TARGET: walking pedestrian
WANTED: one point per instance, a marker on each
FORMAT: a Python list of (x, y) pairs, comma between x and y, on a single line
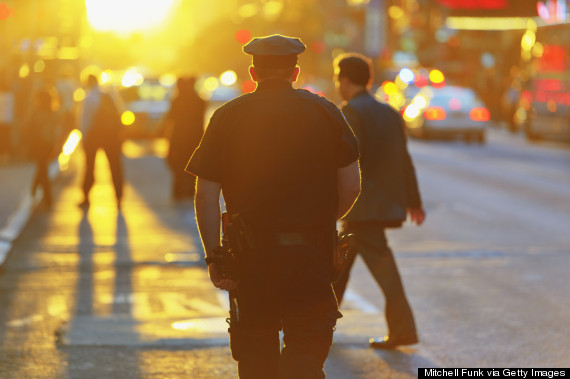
[(286, 161), (187, 117), (100, 126), (43, 136), (389, 192)]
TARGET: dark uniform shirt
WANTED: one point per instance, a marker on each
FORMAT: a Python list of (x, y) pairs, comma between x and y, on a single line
[(275, 153)]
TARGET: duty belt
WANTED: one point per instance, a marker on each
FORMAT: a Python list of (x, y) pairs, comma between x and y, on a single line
[(294, 238)]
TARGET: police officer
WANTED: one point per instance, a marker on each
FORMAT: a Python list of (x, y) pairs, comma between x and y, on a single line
[(287, 164)]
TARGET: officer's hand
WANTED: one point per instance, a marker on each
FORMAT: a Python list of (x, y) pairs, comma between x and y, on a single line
[(417, 215), (218, 280)]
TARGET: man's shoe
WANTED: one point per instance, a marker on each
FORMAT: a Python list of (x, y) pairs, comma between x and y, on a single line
[(392, 342)]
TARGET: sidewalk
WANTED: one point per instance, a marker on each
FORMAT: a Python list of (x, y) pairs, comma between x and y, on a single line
[(16, 204)]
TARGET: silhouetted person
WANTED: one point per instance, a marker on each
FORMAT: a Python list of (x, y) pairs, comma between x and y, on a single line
[(286, 161), (389, 192), (101, 126), (43, 138), (187, 117), (66, 86)]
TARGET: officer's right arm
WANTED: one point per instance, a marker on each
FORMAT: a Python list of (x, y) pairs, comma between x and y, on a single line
[(207, 204), (348, 184)]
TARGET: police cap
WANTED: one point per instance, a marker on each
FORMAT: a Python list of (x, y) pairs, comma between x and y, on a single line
[(275, 44)]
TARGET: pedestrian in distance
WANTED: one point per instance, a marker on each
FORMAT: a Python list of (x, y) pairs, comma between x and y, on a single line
[(389, 193), (287, 164), (43, 143), (186, 116), (101, 129)]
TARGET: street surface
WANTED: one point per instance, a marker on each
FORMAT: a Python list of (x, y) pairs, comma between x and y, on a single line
[(108, 294)]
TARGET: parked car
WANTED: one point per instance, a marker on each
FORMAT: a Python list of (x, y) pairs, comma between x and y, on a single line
[(448, 111), (543, 111)]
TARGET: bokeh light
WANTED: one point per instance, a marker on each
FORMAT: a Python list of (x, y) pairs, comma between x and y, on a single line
[(228, 78), (436, 76), (24, 71), (211, 83), (411, 112), (248, 86), (132, 77), (538, 50), (167, 79), (39, 66), (407, 75), (4, 11), (68, 148), (318, 47), (389, 88), (127, 118), (248, 10), (272, 9), (79, 95), (105, 77), (395, 12), (243, 36), (528, 40)]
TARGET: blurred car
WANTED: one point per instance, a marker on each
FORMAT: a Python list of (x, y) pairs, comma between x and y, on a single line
[(544, 119), (448, 111), (145, 107), (543, 110)]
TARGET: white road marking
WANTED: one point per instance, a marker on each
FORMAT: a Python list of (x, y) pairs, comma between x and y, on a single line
[(17, 220), (206, 307), (359, 302), (180, 304), (5, 247), (25, 321), (223, 299)]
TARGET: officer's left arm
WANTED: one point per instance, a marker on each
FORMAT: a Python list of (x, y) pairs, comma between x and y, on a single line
[(348, 184), (207, 204), (353, 120)]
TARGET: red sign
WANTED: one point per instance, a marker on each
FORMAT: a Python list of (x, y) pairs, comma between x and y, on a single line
[(474, 4), (489, 8)]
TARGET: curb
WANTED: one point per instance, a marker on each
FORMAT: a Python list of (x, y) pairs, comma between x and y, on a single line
[(18, 220)]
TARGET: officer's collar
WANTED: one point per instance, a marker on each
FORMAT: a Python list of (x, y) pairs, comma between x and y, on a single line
[(273, 83)]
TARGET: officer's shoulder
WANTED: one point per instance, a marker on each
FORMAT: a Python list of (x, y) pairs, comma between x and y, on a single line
[(316, 99), (234, 104)]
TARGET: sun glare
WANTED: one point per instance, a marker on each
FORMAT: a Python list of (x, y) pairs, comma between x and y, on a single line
[(125, 16)]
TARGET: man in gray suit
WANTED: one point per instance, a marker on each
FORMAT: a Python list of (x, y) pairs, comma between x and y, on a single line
[(389, 192)]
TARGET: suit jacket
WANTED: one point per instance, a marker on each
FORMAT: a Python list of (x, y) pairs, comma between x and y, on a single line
[(388, 178)]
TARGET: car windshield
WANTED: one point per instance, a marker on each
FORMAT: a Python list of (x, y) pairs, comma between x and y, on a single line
[(445, 97)]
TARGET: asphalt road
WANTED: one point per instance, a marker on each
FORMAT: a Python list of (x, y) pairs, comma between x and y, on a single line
[(487, 272), (102, 293)]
